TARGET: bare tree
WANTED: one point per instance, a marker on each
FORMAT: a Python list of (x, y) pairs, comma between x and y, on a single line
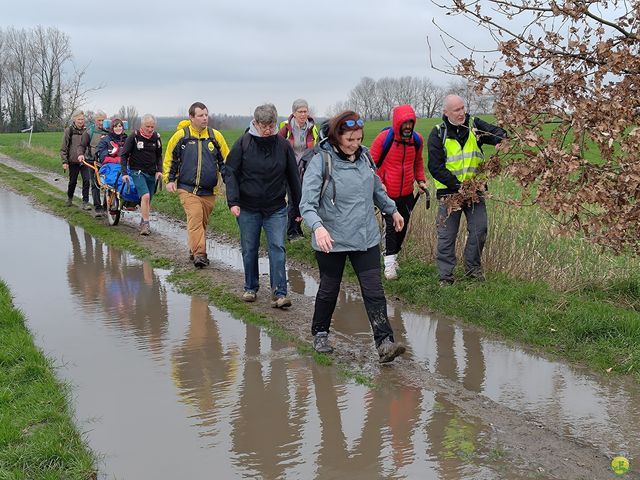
[(130, 114), (566, 83)]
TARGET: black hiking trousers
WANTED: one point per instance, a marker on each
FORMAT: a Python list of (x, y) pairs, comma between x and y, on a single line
[(367, 267), (85, 172)]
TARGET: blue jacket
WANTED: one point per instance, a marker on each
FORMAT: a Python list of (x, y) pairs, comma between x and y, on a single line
[(351, 221)]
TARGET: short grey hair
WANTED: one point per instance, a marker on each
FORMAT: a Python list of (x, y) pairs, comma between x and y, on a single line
[(299, 103), (76, 113), (445, 102), (146, 117), (266, 114), (100, 114)]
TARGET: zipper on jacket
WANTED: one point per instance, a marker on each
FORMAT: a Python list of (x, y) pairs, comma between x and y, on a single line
[(198, 170), (404, 155)]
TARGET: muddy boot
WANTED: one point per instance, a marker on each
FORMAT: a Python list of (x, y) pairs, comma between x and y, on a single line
[(144, 228), (69, 202), (86, 206), (390, 267), (321, 343), (389, 350)]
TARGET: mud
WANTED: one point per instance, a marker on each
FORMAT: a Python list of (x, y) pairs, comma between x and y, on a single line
[(534, 439)]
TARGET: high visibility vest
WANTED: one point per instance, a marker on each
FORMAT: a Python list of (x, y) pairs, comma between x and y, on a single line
[(463, 162)]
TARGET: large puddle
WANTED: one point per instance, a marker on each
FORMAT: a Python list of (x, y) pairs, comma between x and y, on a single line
[(166, 386)]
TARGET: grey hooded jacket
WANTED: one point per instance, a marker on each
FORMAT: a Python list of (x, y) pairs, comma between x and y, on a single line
[(351, 221)]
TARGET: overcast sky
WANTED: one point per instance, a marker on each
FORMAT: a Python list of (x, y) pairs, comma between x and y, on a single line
[(233, 55)]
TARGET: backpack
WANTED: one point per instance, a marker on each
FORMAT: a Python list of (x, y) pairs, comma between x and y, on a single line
[(327, 167), (388, 141)]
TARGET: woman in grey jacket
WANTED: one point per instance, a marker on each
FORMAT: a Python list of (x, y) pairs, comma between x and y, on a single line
[(339, 193)]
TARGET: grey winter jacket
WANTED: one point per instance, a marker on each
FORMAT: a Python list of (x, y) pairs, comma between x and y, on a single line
[(351, 221), (70, 148)]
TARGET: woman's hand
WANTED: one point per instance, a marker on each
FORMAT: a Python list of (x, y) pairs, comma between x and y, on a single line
[(398, 221), (171, 187), (323, 239)]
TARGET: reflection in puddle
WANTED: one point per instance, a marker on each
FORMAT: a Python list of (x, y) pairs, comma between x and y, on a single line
[(175, 388)]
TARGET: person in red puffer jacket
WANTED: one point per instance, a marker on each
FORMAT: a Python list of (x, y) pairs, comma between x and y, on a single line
[(400, 168)]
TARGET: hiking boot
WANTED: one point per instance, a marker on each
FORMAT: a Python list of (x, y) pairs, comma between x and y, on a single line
[(476, 276), (249, 296), (200, 261), (280, 302), (390, 267), (390, 272), (99, 212), (86, 206), (295, 237), (69, 202), (321, 343), (389, 350), (445, 283), (144, 229)]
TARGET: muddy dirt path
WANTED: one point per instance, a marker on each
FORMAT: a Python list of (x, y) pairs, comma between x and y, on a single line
[(535, 445)]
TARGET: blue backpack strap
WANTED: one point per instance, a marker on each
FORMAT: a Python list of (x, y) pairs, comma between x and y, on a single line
[(386, 145)]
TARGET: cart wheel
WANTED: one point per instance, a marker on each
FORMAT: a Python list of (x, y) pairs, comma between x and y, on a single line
[(112, 207)]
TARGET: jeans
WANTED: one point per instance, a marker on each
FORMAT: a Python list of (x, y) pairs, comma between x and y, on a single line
[(447, 227), (251, 223)]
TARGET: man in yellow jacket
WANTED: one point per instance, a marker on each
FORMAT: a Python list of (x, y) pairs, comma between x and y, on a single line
[(193, 160)]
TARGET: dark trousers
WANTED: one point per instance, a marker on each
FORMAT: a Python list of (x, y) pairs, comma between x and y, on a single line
[(74, 170), (367, 267), (95, 190), (393, 240), (447, 227), (294, 228)]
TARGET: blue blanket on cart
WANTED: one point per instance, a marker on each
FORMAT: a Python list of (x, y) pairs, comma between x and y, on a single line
[(110, 175)]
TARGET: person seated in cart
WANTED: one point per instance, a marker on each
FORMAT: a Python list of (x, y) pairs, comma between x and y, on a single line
[(110, 146)]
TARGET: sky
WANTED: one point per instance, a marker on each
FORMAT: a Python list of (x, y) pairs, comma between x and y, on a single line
[(161, 56)]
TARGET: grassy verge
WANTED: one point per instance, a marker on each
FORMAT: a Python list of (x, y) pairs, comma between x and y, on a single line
[(597, 323), (38, 438)]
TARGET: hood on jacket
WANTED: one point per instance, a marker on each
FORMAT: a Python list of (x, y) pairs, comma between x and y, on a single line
[(401, 114), (182, 124)]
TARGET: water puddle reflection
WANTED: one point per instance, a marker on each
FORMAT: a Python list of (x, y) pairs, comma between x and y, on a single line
[(169, 387)]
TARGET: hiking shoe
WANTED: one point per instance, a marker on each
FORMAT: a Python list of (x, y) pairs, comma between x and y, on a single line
[(69, 202), (200, 261), (280, 302), (99, 212), (86, 206), (445, 283), (144, 229), (477, 276), (249, 296), (321, 343), (296, 237), (389, 350), (390, 272)]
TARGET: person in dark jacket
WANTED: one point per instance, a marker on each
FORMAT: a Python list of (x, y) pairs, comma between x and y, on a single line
[(302, 133), (400, 168), (340, 210), (455, 153), (142, 155), (69, 153), (88, 150), (260, 167), (195, 155), (110, 146)]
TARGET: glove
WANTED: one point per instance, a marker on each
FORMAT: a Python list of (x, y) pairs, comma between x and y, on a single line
[(113, 149)]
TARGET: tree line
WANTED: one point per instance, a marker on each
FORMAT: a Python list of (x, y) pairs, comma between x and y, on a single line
[(39, 83), (375, 99)]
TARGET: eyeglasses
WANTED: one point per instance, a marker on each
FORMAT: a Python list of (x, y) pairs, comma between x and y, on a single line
[(267, 127), (353, 123)]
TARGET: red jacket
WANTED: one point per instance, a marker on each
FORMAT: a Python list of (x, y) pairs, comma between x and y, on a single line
[(400, 168)]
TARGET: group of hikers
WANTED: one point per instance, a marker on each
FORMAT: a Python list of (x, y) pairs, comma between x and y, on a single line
[(277, 175)]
